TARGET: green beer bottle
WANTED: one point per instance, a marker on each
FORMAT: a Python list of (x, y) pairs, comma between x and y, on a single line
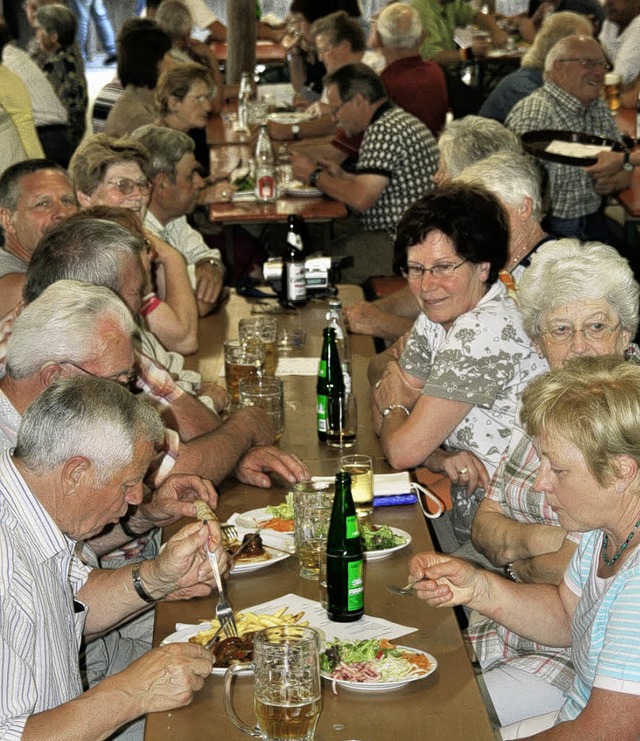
[(345, 578), (330, 386)]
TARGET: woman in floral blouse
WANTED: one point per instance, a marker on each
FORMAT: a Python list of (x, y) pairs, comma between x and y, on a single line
[(450, 400)]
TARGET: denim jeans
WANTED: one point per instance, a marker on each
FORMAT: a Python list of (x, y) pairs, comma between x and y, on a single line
[(83, 9)]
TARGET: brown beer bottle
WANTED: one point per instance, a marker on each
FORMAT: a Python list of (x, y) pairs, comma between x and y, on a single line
[(345, 577)]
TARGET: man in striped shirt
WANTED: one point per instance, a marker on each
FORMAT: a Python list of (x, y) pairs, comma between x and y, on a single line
[(83, 448)]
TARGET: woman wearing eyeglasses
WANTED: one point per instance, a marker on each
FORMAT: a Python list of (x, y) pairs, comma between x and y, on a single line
[(115, 173), (450, 401), (576, 300)]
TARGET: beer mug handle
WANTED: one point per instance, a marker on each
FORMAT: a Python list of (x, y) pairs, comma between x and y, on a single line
[(432, 497), (228, 705)]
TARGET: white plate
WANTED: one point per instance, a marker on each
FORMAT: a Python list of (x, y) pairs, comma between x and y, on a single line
[(288, 117), (242, 567), (386, 686), (254, 518), (376, 555), (182, 636), (297, 189)]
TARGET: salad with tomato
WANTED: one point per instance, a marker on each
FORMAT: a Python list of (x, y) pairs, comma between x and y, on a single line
[(372, 660)]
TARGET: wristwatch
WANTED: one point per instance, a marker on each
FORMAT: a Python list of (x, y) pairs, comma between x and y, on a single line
[(313, 178), (627, 165), (212, 261)]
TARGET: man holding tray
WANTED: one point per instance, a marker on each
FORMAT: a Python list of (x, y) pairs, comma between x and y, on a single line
[(570, 100)]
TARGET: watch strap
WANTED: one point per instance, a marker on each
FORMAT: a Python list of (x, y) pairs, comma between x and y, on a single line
[(313, 178)]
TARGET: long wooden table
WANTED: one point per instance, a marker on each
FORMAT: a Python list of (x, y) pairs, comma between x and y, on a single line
[(447, 705)]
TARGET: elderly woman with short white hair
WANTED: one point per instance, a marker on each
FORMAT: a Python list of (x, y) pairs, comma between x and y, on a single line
[(576, 300)]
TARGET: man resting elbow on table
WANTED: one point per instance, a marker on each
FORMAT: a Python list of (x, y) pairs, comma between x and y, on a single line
[(83, 449), (450, 400), (207, 446), (397, 158)]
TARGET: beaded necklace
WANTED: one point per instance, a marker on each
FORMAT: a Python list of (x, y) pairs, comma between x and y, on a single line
[(620, 551)]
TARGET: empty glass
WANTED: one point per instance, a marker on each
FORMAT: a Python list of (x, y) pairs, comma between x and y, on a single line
[(267, 393), (263, 329), (312, 503)]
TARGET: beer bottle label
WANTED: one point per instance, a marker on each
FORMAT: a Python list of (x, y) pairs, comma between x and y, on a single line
[(321, 411), (351, 527), (355, 586)]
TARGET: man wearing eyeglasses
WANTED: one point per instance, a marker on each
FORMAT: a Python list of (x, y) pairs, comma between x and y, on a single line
[(570, 100), (398, 158)]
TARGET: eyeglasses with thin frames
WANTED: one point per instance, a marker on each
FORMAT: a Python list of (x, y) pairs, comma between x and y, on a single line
[(593, 332), (202, 99), (334, 111), (442, 270), (126, 186), (589, 63), (127, 379)]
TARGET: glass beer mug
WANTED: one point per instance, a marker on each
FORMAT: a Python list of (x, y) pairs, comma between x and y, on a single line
[(287, 696)]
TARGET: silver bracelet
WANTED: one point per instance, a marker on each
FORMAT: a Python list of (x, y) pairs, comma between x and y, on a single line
[(139, 586), (510, 573), (391, 407)]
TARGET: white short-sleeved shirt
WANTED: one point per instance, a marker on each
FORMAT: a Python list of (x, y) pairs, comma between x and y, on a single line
[(623, 48), (606, 626), (484, 359)]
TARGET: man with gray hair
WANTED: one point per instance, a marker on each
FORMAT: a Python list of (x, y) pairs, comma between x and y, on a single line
[(414, 84), (570, 100), (62, 333), (471, 139), (201, 443), (77, 328), (176, 180), (83, 448)]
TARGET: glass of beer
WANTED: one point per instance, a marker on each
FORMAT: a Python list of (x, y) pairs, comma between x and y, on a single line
[(267, 393), (312, 503), (263, 329), (342, 422), (361, 469), (241, 360), (287, 696), (612, 91)]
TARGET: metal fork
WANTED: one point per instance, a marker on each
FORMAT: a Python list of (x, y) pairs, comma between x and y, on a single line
[(224, 611), (403, 591), (229, 531)]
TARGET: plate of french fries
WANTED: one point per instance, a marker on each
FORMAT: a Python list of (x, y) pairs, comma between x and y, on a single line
[(246, 622)]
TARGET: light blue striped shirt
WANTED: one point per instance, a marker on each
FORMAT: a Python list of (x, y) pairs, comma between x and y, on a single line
[(606, 626), (40, 622)]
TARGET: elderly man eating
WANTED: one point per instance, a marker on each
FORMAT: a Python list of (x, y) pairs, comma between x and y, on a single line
[(83, 449)]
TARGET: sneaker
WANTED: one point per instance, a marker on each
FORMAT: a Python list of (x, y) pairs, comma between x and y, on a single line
[(110, 59)]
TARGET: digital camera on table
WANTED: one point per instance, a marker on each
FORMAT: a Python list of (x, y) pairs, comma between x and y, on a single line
[(321, 274)]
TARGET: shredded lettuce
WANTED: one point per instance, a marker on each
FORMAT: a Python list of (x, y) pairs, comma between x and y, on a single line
[(285, 510), (351, 652), (379, 537)]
